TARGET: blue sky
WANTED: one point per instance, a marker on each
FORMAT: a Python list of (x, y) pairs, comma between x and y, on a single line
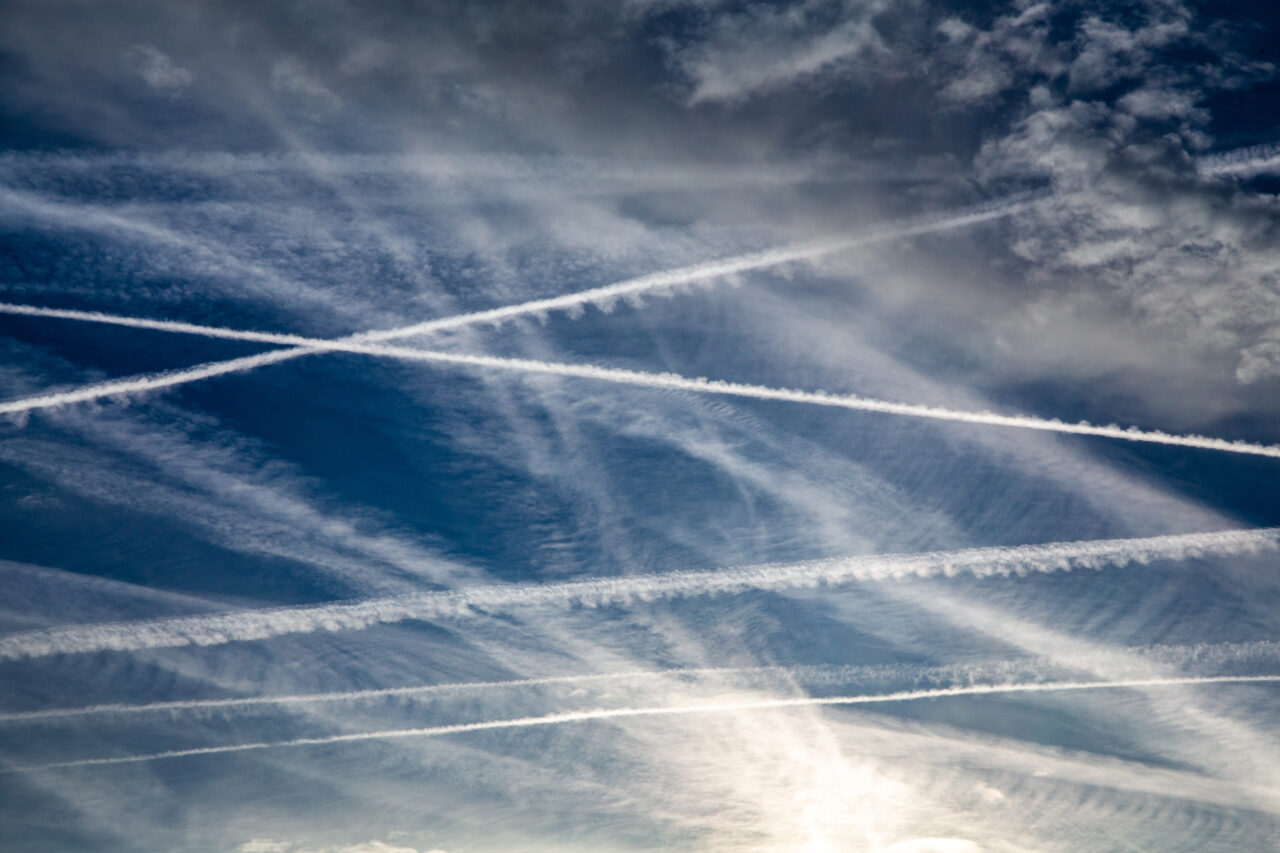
[(529, 578)]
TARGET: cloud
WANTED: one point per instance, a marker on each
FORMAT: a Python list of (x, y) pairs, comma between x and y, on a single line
[(762, 49), (267, 845), (159, 71), (291, 77), (934, 845)]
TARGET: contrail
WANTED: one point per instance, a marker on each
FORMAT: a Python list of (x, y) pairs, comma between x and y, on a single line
[(303, 346), (1242, 161), (709, 708), (676, 382), (138, 384), (246, 625), (668, 381), (376, 693), (581, 175), (1007, 670)]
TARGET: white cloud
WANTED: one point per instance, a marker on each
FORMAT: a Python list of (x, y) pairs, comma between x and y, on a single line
[(263, 845), (934, 845)]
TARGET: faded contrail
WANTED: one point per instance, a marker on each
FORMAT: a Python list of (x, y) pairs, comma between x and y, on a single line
[(245, 625), (303, 346), (669, 381), (1242, 161), (585, 173), (376, 693), (1006, 670), (710, 708)]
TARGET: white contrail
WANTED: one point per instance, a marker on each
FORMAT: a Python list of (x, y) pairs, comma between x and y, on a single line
[(668, 381), (630, 288), (245, 625), (668, 710), (138, 384), (675, 382), (375, 693), (1005, 670), (1242, 161)]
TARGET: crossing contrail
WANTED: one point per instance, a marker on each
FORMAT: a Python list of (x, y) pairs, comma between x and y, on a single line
[(668, 381), (246, 625), (670, 710), (630, 288)]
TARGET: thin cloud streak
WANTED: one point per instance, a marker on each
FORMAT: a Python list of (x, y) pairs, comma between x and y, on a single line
[(667, 381), (240, 626), (710, 708)]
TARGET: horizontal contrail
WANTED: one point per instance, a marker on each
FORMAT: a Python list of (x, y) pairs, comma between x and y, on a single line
[(245, 625), (583, 175), (1242, 161), (630, 288), (375, 693), (1007, 670), (667, 381), (666, 710)]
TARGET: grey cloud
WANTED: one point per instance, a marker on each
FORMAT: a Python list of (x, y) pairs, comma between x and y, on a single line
[(158, 70), (761, 49)]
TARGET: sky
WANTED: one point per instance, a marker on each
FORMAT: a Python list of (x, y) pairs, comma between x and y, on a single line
[(651, 425)]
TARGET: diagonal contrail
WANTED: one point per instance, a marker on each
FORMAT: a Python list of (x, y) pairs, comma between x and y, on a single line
[(668, 381), (149, 382), (246, 625), (630, 288), (676, 710)]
